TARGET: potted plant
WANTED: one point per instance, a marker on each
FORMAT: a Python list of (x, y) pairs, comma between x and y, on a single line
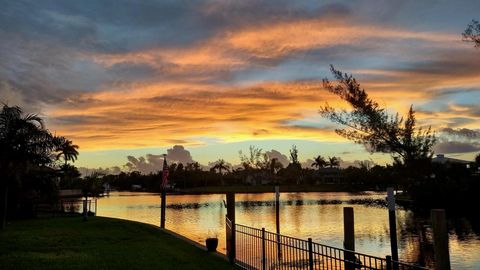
[(211, 242)]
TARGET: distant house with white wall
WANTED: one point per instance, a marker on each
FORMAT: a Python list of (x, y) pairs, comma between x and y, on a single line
[(441, 158)]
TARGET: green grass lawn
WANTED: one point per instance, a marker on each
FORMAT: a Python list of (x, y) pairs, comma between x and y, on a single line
[(99, 243)]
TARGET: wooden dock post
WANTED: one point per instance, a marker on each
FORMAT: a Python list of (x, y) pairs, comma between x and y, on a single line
[(163, 199), (392, 220), (231, 240), (349, 237), (85, 211), (440, 237)]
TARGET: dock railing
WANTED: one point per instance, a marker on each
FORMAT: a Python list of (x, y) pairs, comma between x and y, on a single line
[(260, 249)]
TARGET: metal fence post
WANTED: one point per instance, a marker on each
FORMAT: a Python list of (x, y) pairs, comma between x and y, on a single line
[(264, 259), (277, 220), (389, 262), (310, 253)]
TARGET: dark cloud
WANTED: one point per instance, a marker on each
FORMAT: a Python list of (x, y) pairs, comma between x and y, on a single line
[(179, 154), (449, 147), (148, 164), (283, 159), (107, 26), (118, 26), (259, 132), (462, 133), (461, 140), (76, 119), (153, 163), (132, 71)]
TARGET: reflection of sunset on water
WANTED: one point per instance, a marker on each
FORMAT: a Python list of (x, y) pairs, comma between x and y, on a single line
[(302, 215)]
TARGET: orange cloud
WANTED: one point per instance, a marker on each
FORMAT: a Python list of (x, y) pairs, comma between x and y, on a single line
[(187, 102)]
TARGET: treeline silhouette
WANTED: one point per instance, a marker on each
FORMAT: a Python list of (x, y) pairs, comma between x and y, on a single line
[(447, 185)]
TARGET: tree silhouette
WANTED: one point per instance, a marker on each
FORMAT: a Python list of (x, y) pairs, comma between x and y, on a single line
[(68, 150), (25, 143), (319, 162), (193, 166), (333, 162), (221, 165), (252, 160), (472, 33), (274, 166), (369, 124), (294, 155)]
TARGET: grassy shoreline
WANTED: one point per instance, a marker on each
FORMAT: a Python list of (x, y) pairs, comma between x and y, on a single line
[(99, 243)]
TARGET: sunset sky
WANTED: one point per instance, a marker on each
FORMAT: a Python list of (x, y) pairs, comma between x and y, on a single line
[(135, 78)]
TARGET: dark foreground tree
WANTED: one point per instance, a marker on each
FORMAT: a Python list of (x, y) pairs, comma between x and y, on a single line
[(369, 124), (472, 33), (26, 146)]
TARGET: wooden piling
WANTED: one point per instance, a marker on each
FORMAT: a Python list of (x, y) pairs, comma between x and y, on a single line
[(231, 239), (163, 202), (85, 212), (393, 226), (440, 237), (231, 206), (349, 237)]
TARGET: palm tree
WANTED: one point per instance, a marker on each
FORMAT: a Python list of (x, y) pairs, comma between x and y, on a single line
[(68, 150), (319, 162), (193, 166), (221, 165), (333, 162), (24, 143)]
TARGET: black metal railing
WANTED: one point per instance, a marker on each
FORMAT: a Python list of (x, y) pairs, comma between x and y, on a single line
[(261, 249)]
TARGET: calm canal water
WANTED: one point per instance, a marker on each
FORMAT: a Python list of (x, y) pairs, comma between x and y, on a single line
[(317, 215)]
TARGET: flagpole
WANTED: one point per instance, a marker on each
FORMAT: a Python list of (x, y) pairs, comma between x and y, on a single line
[(163, 196)]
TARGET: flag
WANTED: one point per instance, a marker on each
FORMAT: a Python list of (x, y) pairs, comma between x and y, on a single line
[(164, 173)]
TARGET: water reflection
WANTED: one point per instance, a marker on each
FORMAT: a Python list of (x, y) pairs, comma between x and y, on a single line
[(302, 215)]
